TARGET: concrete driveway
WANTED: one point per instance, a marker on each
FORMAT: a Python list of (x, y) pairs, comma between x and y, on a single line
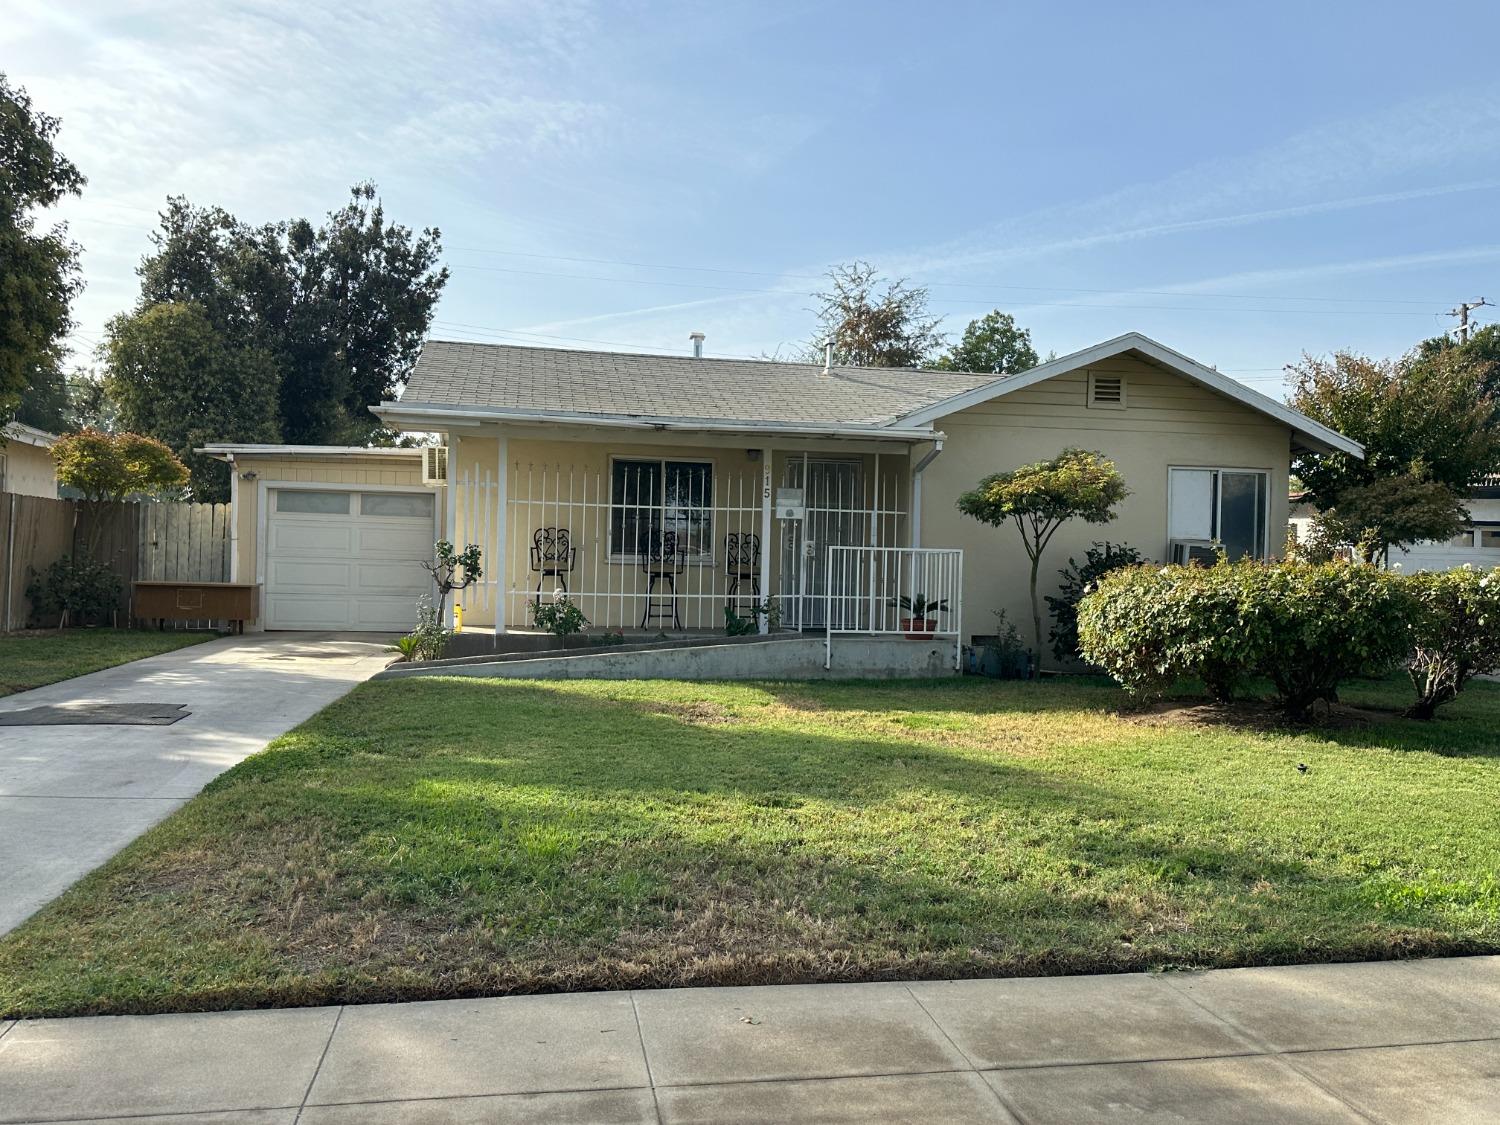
[(72, 796)]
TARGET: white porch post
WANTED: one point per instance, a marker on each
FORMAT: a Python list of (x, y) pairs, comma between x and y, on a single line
[(767, 487), (916, 508), (450, 505), (501, 561)]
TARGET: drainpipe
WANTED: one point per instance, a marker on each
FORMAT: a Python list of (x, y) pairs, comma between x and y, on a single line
[(916, 490)]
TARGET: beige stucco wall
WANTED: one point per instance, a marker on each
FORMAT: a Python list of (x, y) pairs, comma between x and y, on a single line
[(344, 469), (1168, 422), (29, 470)]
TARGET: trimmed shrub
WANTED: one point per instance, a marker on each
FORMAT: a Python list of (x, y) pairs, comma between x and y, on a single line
[(1304, 627), (1455, 633), (1325, 624), (1077, 580), (1149, 627)]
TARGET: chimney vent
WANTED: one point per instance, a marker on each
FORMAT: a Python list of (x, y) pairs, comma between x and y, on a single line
[(828, 355), (697, 339)]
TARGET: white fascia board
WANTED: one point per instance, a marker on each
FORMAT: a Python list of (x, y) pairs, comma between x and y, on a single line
[(226, 450), (427, 416), (1315, 433), (29, 435)]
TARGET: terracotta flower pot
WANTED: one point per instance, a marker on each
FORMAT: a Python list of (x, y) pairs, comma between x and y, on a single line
[(919, 628)]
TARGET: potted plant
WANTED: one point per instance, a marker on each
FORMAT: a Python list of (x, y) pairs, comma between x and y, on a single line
[(919, 620)]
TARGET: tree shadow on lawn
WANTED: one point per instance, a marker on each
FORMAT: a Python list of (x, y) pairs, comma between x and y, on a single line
[(537, 839), (493, 895)]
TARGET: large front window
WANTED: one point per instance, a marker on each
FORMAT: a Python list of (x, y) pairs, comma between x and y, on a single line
[(651, 499), (1227, 507)]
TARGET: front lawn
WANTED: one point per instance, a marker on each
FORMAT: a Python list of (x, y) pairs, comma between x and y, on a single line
[(29, 660), (428, 838)]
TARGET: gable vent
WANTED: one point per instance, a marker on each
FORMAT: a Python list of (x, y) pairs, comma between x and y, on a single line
[(1107, 391)]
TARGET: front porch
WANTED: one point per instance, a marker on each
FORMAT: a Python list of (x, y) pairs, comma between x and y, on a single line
[(655, 535)]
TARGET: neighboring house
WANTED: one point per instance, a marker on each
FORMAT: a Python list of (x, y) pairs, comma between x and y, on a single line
[(659, 489), (26, 467), (1477, 544)]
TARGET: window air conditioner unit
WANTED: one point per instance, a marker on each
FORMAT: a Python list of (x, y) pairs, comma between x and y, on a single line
[(1184, 552), (435, 464)]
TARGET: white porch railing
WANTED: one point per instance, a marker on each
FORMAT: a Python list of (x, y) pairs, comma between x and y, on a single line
[(668, 544), (867, 586)]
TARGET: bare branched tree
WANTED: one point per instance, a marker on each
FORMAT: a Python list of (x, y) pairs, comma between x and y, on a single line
[(873, 322)]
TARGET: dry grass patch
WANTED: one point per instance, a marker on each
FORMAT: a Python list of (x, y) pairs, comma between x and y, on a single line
[(429, 838)]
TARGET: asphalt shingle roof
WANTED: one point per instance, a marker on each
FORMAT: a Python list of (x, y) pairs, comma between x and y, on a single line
[(559, 380)]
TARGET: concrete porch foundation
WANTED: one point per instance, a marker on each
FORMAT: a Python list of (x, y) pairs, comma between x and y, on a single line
[(769, 658)]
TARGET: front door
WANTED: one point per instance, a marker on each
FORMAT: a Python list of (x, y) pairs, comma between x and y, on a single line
[(835, 516)]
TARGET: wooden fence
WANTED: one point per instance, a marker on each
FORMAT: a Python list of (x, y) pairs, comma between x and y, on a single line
[(146, 541)]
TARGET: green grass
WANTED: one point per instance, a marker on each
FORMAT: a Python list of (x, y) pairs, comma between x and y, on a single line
[(29, 660), (430, 838)]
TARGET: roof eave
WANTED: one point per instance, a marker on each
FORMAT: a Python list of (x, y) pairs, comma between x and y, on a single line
[(227, 451), (431, 416)]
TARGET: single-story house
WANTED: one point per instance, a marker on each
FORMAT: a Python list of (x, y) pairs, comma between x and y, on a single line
[(26, 466), (658, 490)]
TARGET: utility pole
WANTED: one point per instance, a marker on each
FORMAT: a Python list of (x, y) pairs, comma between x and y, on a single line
[(1462, 312)]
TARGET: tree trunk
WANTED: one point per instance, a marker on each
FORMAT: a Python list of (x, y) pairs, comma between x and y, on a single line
[(1036, 608)]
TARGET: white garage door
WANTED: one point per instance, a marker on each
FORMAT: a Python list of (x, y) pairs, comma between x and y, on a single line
[(346, 560)]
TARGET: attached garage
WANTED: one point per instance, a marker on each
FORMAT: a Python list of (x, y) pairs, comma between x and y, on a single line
[(345, 558), (334, 536)]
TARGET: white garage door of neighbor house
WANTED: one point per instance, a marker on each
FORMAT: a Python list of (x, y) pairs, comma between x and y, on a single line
[(346, 560)]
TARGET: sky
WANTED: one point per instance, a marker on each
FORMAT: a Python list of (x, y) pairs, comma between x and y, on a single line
[(1244, 183)]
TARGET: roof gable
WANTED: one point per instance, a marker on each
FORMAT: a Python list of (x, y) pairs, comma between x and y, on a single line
[(1313, 434)]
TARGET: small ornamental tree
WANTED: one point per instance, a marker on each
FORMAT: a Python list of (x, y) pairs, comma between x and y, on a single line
[(107, 468), (1455, 633), (452, 570), (1038, 499)]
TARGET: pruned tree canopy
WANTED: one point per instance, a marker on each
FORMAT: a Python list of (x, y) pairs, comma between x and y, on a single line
[(1041, 497)]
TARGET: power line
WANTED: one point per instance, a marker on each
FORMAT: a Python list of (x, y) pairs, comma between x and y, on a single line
[(1462, 312), (524, 336), (940, 284), (747, 291)]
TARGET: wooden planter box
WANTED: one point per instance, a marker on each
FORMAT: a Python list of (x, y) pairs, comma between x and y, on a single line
[(235, 602)]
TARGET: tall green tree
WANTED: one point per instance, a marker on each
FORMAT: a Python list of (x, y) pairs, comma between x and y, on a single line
[(1427, 424), (341, 308), (1480, 353), (873, 322), (45, 403), (993, 345), (175, 376), (39, 274)]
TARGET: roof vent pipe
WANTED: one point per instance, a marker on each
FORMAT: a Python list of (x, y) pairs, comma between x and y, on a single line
[(697, 339), (828, 356)]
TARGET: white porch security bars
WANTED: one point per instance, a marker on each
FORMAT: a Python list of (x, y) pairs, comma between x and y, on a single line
[(915, 592), (668, 543)]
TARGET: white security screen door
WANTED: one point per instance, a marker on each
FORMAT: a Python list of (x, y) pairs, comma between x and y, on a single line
[(835, 517)]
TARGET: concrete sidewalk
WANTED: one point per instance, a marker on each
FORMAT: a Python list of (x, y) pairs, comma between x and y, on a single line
[(72, 796), (1390, 1042)]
